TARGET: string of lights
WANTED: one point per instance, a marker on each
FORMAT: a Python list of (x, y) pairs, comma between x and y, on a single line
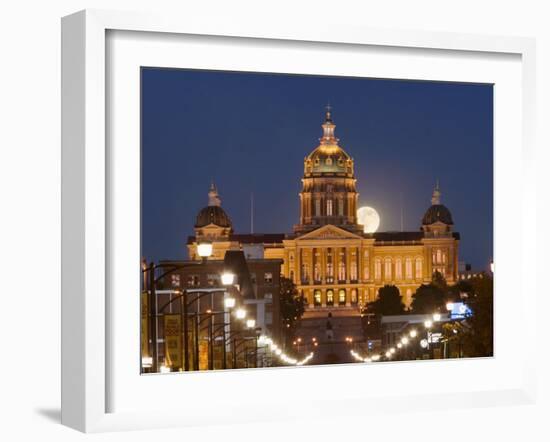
[(265, 340)]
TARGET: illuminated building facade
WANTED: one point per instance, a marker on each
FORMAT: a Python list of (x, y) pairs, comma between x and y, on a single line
[(328, 256)]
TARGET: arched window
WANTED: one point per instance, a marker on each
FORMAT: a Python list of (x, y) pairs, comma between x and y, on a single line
[(366, 265), (438, 255), (408, 268), (387, 269), (341, 297), (317, 297), (330, 297), (398, 269), (353, 296), (377, 268), (418, 268), (329, 207)]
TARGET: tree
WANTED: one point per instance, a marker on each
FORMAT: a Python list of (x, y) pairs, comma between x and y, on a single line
[(291, 307), (479, 340), (433, 297), (389, 302)]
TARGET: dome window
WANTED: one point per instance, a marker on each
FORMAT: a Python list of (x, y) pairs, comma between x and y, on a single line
[(328, 161)]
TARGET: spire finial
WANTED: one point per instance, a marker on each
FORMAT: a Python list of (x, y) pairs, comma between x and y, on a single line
[(213, 197), (436, 195), (328, 127), (328, 116)]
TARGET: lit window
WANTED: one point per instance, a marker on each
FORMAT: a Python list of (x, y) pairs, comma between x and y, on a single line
[(329, 207), (342, 297), (387, 269), (341, 269), (175, 280), (377, 269), (317, 297), (408, 268), (328, 161), (317, 271), (330, 270), (398, 269), (353, 296), (353, 270), (438, 255), (330, 297), (193, 280), (268, 278), (305, 273), (418, 265)]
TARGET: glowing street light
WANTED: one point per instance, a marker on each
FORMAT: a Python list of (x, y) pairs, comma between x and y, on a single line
[(399, 345), (228, 278), (413, 333), (204, 249), (404, 340), (424, 343), (428, 324), (240, 313), (436, 317), (229, 302), (251, 323)]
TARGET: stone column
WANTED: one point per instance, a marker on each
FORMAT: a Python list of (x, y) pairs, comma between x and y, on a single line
[(298, 266), (323, 252), (348, 261)]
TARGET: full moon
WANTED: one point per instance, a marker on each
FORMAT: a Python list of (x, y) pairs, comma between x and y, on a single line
[(369, 218)]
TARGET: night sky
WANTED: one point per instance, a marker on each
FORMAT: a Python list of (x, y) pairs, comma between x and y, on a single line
[(250, 132)]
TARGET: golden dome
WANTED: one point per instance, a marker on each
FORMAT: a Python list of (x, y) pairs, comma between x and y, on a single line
[(328, 157)]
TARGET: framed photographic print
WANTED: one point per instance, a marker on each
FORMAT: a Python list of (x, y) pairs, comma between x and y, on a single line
[(251, 212)]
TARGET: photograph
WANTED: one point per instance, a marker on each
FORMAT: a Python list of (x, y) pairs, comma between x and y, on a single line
[(300, 220)]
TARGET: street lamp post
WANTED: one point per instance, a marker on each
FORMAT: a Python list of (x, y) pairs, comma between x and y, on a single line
[(227, 279)]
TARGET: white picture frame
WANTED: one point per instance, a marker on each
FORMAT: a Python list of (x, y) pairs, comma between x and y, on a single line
[(86, 207)]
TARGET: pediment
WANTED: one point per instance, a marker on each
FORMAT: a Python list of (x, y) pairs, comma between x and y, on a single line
[(328, 232)]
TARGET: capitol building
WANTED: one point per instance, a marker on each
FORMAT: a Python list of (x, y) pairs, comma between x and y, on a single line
[(332, 261)]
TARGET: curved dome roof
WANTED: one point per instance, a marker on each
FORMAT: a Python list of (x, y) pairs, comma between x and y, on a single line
[(437, 213), (213, 215), (328, 157)]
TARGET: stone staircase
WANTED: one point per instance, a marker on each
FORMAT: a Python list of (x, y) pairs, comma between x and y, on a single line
[(327, 351)]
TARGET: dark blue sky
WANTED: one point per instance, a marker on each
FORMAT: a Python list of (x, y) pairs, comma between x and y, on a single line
[(250, 132)]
